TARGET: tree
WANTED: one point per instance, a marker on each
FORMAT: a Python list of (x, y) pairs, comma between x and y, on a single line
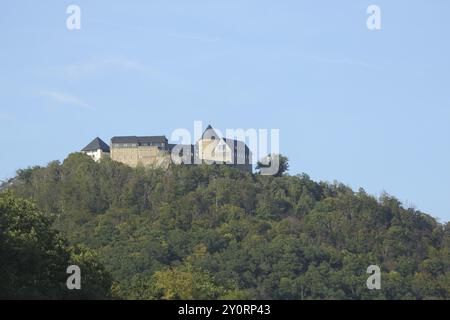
[(34, 257), (280, 162), (211, 232), (186, 283)]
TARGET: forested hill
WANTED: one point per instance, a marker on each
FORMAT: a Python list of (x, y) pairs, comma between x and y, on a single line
[(207, 232)]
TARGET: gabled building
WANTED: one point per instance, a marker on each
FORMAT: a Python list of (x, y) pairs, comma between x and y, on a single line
[(146, 151), (214, 149), (97, 149), (157, 152)]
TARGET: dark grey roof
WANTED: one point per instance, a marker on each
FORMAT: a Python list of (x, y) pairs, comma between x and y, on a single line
[(236, 143), (96, 144), (124, 139), (139, 140), (210, 133)]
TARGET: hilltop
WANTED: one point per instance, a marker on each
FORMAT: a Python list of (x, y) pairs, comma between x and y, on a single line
[(214, 232)]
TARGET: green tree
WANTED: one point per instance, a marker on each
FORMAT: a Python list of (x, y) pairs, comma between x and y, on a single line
[(211, 232), (186, 283), (34, 257), (274, 159)]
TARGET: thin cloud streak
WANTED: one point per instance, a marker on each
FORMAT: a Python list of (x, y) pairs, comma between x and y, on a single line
[(90, 67), (195, 37), (343, 61), (65, 98)]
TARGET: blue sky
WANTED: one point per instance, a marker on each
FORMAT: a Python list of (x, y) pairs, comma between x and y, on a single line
[(370, 109)]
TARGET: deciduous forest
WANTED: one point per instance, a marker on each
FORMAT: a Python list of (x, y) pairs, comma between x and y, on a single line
[(210, 232)]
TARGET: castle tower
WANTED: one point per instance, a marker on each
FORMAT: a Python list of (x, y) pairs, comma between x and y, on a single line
[(212, 148), (96, 149)]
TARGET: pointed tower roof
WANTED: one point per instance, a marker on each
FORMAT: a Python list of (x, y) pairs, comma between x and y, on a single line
[(96, 144), (210, 133)]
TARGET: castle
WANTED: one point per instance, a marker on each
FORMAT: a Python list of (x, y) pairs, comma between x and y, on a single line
[(155, 151)]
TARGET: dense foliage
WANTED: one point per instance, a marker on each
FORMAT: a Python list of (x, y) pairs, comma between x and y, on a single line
[(210, 232), (34, 258)]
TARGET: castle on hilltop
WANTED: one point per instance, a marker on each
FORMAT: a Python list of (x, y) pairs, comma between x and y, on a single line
[(155, 151)]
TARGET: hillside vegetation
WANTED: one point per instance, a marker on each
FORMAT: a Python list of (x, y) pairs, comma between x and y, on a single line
[(209, 232)]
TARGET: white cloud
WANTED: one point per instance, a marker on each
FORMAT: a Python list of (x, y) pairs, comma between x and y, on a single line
[(88, 67), (64, 98), (195, 37), (343, 61)]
